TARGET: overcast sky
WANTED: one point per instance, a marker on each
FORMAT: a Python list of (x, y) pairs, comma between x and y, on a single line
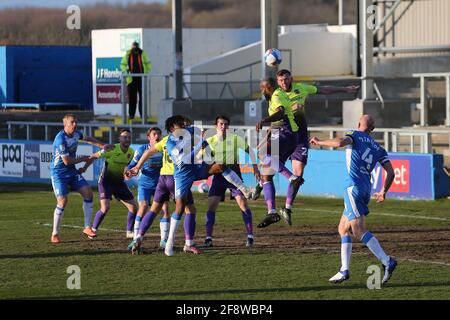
[(63, 3)]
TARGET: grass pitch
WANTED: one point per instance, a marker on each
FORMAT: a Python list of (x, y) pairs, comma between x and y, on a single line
[(287, 262)]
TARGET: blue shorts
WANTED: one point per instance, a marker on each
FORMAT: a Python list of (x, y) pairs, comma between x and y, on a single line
[(145, 194), (61, 185), (356, 203), (184, 183)]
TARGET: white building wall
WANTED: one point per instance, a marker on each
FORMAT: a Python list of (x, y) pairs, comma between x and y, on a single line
[(318, 52), (198, 45)]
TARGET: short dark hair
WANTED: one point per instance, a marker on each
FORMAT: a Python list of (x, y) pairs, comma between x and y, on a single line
[(187, 121), (175, 120), (222, 117), (153, 129), (124, 130), (271, 81), (283, 72)]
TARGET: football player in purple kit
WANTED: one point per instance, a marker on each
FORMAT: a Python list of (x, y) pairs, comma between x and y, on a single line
[(282, 133), (297, 93)]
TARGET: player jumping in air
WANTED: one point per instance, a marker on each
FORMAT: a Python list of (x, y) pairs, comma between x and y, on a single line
[(111, 181), (65, 175), (283, 131), (225, 148), (183, 144), (297, 93), (362, 154)]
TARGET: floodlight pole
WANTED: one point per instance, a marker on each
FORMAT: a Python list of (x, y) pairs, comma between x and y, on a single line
[(367, 26), (269, 33), (177, 31)]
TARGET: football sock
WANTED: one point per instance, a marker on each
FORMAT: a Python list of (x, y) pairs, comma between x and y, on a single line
[(130, 221), (174, 222), (233, 178), (137, 225), (372, 243), (87, 210), (146, 222), (346, 252), (210, 220), (57, 217), (290, 197), (99, 216), (189, 228), (164, 225), (269, 195), (247, 217)]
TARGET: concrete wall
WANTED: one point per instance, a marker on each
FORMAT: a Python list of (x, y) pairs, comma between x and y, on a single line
[(39, 74), (198, 45)]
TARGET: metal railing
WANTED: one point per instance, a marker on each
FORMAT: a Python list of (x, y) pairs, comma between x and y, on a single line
[(145, 92), (393, 139), (227, 84)]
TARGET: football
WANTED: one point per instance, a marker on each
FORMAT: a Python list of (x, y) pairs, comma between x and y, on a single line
[(272, 57), (203, 187)]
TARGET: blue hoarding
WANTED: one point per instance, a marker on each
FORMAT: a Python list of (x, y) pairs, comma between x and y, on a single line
[(417, 176)]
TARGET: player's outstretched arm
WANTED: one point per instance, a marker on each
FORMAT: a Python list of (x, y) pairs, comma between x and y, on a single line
[(90, 160), (84, 168), (145, 156), (97, 143), (274, 117), (333, 143), (69, 161), (380, 196)]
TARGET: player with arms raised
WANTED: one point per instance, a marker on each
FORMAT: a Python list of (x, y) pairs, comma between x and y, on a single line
[(362, 154), (297, 93)]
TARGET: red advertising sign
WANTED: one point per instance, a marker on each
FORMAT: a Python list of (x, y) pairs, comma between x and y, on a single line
[(108, 94), (401, 180)]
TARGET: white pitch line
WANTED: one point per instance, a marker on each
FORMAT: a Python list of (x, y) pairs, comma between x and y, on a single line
[(388, 215), (300, 208), (80, 227)]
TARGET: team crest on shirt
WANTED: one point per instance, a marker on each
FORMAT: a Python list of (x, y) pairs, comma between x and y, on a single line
[(297, 91), (129, 156)]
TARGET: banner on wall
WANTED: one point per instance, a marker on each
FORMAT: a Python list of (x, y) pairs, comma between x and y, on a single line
[(45, 159), (417, 176), (12, 160)]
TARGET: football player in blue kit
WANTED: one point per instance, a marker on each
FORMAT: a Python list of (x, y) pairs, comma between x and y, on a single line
[(362, 154)]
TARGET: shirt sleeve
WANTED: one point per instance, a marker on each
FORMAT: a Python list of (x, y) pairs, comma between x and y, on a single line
[(310, 89), (62, 147), (103, 154), (241, 144), (277, 102), (137, 155), (383, 156), (350, 134)]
